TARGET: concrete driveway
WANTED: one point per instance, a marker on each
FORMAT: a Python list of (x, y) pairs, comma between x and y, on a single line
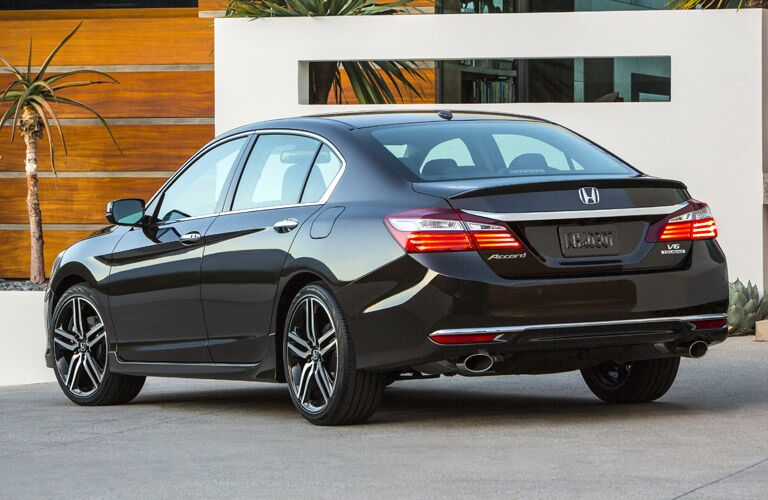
[(526, 437)]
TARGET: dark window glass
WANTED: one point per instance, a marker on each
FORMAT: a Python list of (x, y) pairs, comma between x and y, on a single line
[(275, 172), (491, 149), (496, 6), (324, 171), (198, 190), (591, 79)]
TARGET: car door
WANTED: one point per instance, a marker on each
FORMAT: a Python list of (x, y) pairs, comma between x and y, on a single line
[(155, 276), (283, 183)]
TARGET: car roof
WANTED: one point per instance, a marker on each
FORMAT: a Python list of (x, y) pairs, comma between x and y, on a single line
[(383, 118), (357, 120)]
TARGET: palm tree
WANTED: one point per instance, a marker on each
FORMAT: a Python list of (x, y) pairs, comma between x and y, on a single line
[(30, 111), (716, 4), (371, 81)]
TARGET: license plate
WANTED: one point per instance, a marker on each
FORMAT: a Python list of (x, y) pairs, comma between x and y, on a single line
[(588, 241)]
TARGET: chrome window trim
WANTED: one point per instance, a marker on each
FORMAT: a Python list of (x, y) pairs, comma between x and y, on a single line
[(323, 199), (554, 326), (275, 207), (578, 214)]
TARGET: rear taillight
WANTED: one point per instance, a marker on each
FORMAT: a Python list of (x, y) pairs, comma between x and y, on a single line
[(694, 222), (445, 230)]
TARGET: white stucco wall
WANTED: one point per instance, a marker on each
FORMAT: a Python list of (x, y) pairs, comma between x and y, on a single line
[(23, 339), (710, 135)]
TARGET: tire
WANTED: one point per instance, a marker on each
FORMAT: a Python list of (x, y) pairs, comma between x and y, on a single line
[(79, 344), (636, 382), (319, 362)]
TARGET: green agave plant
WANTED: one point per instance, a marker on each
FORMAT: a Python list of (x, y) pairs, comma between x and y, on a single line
[(746, 306), (29, 97), (372, 82)]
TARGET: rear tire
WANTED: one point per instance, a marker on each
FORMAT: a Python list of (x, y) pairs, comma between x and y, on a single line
[(636, 382), (319, 362), (79, 343)]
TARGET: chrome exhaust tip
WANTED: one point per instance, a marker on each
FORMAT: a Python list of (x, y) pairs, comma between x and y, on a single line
[(479, 362), (696, 349)]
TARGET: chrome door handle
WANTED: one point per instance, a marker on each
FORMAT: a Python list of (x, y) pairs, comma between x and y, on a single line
[(190, 238), (285, 225)]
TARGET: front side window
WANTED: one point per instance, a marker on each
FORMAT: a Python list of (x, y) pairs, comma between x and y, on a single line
[(494, 149), (276, 171), (199, 188)]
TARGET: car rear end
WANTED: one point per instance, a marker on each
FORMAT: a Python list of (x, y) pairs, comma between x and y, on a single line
[(530, 266)]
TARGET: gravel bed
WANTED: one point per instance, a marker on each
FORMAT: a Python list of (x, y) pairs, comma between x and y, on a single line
[(20, 286)]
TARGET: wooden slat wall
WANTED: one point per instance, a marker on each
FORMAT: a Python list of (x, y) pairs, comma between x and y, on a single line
[(171, 94), (145, 148), (79, 200), (183, 40), (15, 249), (161, 113)]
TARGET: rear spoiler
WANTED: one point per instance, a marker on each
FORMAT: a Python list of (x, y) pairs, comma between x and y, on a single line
[(482, 187)]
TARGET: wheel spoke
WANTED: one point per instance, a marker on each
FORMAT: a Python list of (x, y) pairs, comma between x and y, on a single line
[(66, 345), (66, 335), (306, 375), (323, 382), (310, 320), (324, 392), (77, 316), (75, 372), (302, 350), (94, 331), (96, 339), (327, 342), (88, 371), (97, 370)]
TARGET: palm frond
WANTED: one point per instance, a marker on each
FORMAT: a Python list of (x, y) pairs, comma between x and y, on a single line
[(55, 51), (703, 4), (33, 95), (372, 82)]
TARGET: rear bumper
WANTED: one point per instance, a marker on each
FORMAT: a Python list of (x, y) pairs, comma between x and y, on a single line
[(595, 333), (392, 312)]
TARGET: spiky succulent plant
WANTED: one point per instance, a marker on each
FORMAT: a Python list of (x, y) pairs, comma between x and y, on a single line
[(745, 307)]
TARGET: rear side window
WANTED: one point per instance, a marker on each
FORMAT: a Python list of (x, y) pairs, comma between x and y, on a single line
[(275, 172), (494, 149), (325, 169)]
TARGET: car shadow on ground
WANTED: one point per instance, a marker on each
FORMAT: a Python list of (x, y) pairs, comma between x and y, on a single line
[(407, 404)]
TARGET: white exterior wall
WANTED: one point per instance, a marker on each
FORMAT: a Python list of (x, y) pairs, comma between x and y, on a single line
[(22, 358), (710, 135)]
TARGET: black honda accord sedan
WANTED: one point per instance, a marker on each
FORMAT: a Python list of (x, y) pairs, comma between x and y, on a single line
[(341, 253)]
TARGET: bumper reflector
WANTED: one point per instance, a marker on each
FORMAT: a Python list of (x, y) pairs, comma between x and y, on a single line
[(464, 338), (710, 324)]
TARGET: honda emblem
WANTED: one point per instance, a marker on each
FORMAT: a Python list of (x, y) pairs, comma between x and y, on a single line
[(589, 195)]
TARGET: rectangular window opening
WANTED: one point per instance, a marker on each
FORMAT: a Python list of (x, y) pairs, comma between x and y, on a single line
[(491, 81)]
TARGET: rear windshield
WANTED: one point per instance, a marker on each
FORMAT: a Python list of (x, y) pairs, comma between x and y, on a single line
[(488, 149)]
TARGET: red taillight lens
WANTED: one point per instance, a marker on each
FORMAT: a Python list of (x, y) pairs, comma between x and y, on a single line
[(695, 222), (444, 230), (464, 338)]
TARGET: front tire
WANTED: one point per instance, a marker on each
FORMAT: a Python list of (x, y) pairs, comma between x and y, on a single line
[(79, 343), (319, 361), (635, 382)]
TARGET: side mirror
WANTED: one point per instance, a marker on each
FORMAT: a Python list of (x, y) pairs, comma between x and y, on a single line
[(127, 212)]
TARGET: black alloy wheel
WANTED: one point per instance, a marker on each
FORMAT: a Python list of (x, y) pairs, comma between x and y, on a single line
[(80, 349), (319, 363)]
